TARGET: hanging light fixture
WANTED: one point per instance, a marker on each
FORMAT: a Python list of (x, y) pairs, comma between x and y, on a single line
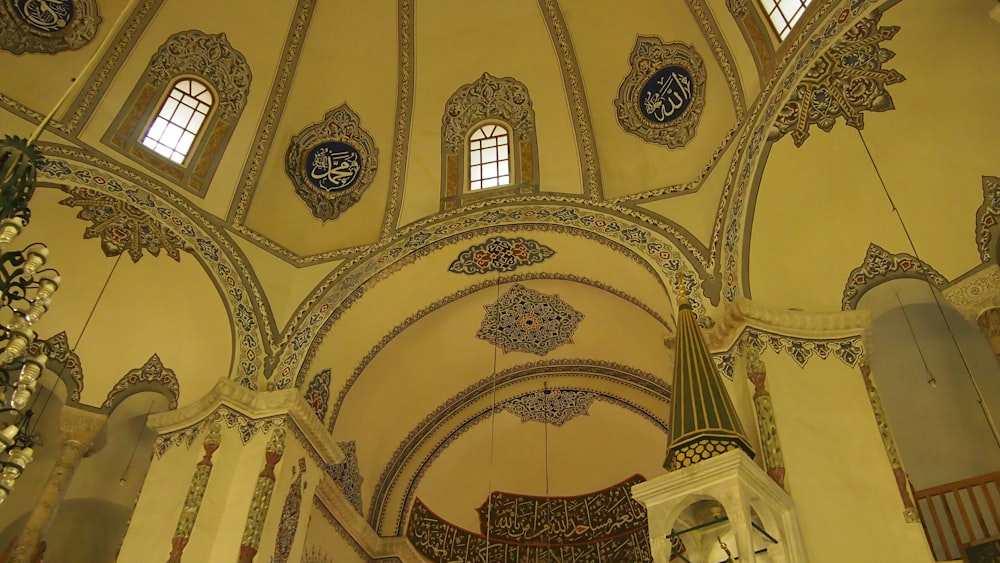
[(25, 294)]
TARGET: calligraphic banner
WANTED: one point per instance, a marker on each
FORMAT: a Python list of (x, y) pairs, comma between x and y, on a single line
[(564, 520), (607, 525)]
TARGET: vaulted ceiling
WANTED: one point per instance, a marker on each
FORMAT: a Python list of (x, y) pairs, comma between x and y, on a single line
[(387, 301)]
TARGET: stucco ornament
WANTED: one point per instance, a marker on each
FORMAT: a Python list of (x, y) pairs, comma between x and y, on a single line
[(662, 97), (488, 97), (47, 26), (525, 320), (213, 58), (331, 163), (846, 81)]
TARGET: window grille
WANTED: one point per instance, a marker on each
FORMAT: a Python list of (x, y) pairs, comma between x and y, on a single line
[(489, 157), (784, 14), (179, 120)]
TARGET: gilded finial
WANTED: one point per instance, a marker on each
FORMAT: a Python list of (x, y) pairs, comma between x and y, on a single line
[(682, 296)]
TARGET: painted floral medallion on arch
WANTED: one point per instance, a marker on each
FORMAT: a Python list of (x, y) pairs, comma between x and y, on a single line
[(500, 254), (525, 320), (845, 81)]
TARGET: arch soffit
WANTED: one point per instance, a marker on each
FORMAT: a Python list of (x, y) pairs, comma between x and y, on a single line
[(250, 320), (469, 290), (826, 23), (627, 234), (641, 393)]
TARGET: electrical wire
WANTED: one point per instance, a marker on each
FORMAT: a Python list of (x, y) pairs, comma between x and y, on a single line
[(72, 350), (493, 425), (937, 300)]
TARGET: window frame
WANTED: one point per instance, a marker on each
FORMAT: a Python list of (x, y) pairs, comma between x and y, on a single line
[(789, 24), (199, 134), (510, 160)]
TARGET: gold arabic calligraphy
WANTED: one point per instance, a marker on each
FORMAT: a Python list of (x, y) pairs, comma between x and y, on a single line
[(334, 170), (47, 15), (672, 95)]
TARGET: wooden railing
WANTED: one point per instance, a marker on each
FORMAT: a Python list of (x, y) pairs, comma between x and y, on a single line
[(960, 513)]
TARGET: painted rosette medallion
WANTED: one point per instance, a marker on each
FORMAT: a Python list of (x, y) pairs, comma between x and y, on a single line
[(662, 97), (332, 162)]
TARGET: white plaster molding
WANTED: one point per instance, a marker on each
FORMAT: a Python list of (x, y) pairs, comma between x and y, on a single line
[(255, 405), (736, 482), (976, 293), (794, 324), (375, 546)]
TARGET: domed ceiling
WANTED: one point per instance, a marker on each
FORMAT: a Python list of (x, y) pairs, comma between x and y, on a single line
[(321, 235)]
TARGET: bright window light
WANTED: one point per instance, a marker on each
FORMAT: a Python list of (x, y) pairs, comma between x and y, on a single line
[(489, 157), (179, 120)]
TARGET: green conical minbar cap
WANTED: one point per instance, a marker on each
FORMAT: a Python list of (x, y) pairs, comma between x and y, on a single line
[(703, 422)]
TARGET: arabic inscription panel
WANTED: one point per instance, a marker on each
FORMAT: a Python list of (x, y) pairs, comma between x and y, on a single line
[(331, 163), (662, 97), (47, 26)]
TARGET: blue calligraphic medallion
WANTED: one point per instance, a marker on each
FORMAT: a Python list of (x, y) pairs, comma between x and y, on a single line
[(333, 166), (663, 95), (667, 94), (45, 15), (331, 163)]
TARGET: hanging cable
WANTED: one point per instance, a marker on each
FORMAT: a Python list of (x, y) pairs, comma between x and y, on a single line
[(548, 507), (931, 380), (72, 350), (138, 437), (493, 424), (937, 300)]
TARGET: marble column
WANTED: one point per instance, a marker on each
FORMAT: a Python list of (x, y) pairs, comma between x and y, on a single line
[(767, 428), (77, 429)]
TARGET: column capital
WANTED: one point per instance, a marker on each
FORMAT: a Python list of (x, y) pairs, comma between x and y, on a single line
[(81, 426)]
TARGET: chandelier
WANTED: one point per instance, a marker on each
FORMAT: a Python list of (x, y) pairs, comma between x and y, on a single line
[(25, 293)]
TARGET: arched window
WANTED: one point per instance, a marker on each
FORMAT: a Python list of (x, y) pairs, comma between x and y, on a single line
[(180, 118), (784, 14), (488, 144), (183, 110), (489, 157)]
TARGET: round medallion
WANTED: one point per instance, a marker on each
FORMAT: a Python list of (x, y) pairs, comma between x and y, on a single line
[(333, 166), (666, 95), (45, 15)]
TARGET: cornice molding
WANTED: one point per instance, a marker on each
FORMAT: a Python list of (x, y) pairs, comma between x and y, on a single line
[(743, 313), (976, 293), (255, 405), (377, 547)]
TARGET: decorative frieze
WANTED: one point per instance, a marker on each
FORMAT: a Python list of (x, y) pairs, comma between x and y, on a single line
[(988, 219), (767, 427), (152, 376), (290, 514), (122, 227), (899, 474), (880, 266)]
